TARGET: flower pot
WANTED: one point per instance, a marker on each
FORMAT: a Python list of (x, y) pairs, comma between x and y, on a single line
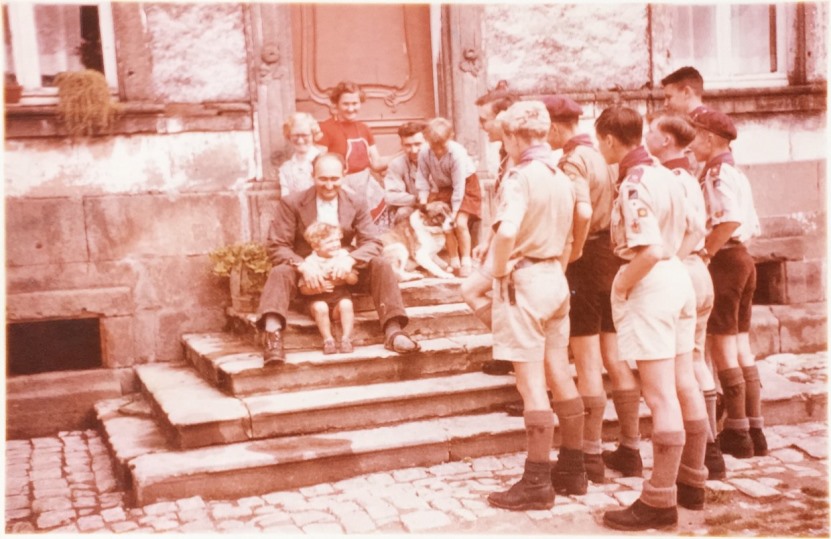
[(243, 298), (12, 93)]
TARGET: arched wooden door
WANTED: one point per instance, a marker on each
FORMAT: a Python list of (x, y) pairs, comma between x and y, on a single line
[(385, 48)]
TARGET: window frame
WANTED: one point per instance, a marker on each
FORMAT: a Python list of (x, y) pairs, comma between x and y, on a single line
[(26, 56), (724, 58)]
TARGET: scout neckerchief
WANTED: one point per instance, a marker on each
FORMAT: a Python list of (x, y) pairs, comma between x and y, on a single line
[(541, 153), (638, 156), (579, 140), (716, 162), (679, 162)]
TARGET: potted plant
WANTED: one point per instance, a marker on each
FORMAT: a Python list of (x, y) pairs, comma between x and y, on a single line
[(247, 266), (12, 91), (84, 102)]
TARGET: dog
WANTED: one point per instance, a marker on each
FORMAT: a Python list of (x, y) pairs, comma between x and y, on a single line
[(420, 237)]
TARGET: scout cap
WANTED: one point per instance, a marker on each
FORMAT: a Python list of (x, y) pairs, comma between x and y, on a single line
[(715, 122), (562, 108)]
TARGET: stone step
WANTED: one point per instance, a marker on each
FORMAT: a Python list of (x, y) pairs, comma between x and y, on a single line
[(152, 471), (192, 413), (426, 322), (235, 366)]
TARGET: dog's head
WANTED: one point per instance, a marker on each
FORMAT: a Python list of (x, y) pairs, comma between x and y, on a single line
[(437, 214)]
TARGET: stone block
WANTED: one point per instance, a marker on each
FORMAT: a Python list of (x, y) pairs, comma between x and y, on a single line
[(45, 231), (172, 324), (786, 187), (117, 341), (764, 334), (805, 281), (806, 246), (157, 225), (803, 328), (76, 303)]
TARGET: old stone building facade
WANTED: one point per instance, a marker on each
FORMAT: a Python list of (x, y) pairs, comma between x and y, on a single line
[(115, 229)]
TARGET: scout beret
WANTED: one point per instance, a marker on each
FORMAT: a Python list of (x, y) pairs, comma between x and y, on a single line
[(714, 122), (561, 107)]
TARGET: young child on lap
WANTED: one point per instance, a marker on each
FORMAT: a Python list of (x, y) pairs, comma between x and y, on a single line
[(337, 297)]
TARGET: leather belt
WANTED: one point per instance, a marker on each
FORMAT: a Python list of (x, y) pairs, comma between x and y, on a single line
[(526, 261)]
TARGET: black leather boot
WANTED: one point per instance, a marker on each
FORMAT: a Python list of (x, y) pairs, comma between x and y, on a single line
[(639, 516), (533, 491), (736, 442), (760, 443), (595, 469), (625, 460), (568, 475), (690, 497), (714, 461)]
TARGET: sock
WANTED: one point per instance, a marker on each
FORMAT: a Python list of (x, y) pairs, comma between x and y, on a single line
[(272, 323), (627, 403), (753, 391), (539, 429), (710, 402), (570, 414), (485, 315), (692, 471), (756, 422), (593, 423), (660, 490), (732, 381)]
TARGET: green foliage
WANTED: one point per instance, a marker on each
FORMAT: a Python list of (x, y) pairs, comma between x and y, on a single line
[(250, 257)]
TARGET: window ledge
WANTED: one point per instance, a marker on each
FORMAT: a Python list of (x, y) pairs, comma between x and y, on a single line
[(35, 121), (733, 101)]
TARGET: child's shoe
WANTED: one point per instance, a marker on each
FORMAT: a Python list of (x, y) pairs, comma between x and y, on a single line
[(329, 347), (346, 346)]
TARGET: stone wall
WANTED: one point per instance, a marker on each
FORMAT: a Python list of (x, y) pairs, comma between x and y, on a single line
[(118, 227), (568, 47)]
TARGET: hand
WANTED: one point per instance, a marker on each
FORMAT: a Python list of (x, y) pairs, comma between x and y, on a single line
[(480, 252), (313, 274), (341, 267)]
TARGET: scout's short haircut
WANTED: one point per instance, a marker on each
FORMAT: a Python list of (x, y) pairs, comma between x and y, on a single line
[(500, 98), (302, 119), (678, 127), (346, 87), (686, 76), (318, 231), (527, 119), (623, 123), (411, 128), (329, 155), (438, 130)]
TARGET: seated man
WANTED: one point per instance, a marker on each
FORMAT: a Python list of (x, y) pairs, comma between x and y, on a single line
[(399, 183), (287, 248)]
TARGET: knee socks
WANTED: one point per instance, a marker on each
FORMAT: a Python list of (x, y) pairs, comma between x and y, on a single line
[(593, 423), (539, 429), (732, 381), (692, 471), (627, 403), (753, 392), (570, 414), (710, 402), (660, 490)]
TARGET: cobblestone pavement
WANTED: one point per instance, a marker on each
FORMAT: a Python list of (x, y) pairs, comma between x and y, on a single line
[(66, 484)]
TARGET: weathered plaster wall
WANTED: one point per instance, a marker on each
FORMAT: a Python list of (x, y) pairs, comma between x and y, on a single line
[(198, 52), (566, 46), (183, 162), (817, 39)]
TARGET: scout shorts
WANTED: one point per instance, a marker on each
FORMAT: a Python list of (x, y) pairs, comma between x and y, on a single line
[(590, 278), (537, 319), (734, 281), (657, 320), (703, 287)]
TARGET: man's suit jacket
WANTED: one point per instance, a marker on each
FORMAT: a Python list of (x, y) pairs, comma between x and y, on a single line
[(297, 211)]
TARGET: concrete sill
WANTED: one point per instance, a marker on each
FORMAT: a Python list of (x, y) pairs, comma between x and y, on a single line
[(36, 121)]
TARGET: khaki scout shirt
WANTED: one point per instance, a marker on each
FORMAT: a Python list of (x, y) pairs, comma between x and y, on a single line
[(729, 198), (696, 208), (540, 202), (649, 210), (590, 172)]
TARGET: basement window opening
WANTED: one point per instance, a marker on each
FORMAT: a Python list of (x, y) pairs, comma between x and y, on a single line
[(53, 345), (770, 283)]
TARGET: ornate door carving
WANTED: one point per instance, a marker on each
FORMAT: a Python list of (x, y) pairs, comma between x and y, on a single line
[(385, 48)]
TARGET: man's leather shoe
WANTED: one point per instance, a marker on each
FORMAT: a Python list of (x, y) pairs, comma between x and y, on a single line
[(273, 352), (568, 474), (497, 367), (639, 517), (736, 442), (625, 460), (533, 491), (595, 469)]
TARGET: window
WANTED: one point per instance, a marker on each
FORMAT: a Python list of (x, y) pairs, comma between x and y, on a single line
[(43, 40), (735, 45)]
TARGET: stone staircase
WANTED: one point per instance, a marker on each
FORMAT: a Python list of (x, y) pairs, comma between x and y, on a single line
[(222, 426)]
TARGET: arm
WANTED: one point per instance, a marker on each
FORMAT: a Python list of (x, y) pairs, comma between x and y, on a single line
[(367, 241), (580, 230), (281, 235), (503, 244), (395, 188), (720, 234), (457, 179), (421, 184), (647, 256), (376, 162)]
